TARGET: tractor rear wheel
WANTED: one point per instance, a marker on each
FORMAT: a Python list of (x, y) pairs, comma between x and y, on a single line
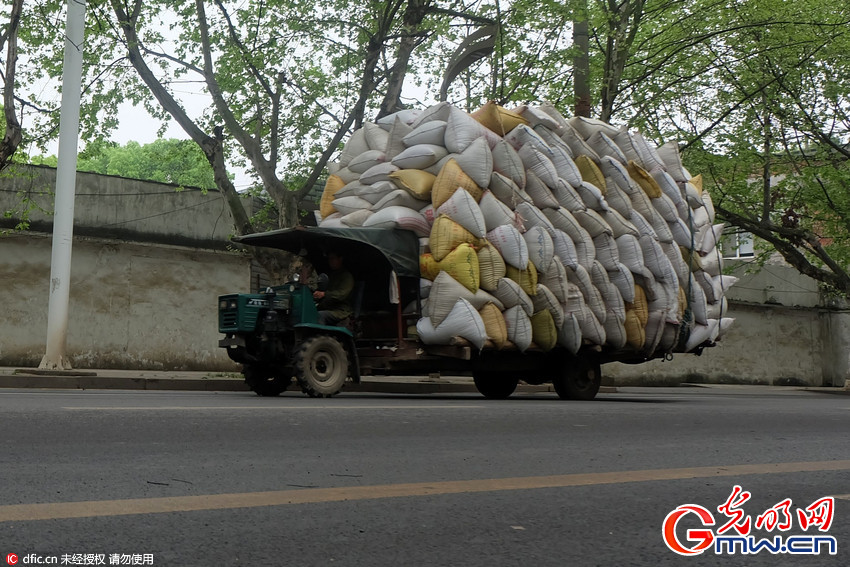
[(321, 366), (579, 379)]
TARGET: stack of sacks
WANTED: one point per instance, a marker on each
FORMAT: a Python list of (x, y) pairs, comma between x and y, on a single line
[(540, 231)]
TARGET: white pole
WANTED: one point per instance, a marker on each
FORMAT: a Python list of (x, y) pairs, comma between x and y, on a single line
[(66, 178)]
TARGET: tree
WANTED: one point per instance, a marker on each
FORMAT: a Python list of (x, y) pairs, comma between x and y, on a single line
[(9, 41)]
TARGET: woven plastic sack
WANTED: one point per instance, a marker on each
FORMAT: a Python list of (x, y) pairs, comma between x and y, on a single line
[(666, 208), (640, 305), (497, 118), (376, 192), (399, 217), (494, 324), (524, 135), (544, 299), (591, 173), (654, 330), (332, 186), (462, 208), (631, 254), (518, 326), (332, 221), (592, 196), (510, 244), (367, 159), (346, 205), (624, 280), (507, 191), (576, 143), (669, 154), (540, 194), (656, 260), (355, 146), (671, 189), (605, 146), (395, 138), (569, 335), (537, 117), (565, 250), (419, 156), (568, 197), (644, 180), (439, 111), (610, 294), (619, 225), (433, 132), (544, 331), (462, 321), (512, 295), (617, 199), (711, 238), (417, 183), (450, 178), (398, 198), (508, 163), (700, 334), (491, 267), (446, 235), (681, 235), (635, 332), (532, 216), (564, 164), (541, 249), (592, 298), (496, 213), (637, 149), (477, 162), (462, 130), (535, 158), (555, 279), (357, 218), (445, 291), (615, 331), (607, 252), (379, 172), (593, 223), (527, 278), (617, 173), (564, 220)]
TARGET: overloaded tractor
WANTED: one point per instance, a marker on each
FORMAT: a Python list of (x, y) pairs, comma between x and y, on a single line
[(278, 338)]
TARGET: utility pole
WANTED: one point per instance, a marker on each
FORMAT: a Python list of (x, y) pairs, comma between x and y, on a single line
[(66, 178)]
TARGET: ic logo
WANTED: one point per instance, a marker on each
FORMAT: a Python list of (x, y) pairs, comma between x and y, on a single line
[(12, 559)]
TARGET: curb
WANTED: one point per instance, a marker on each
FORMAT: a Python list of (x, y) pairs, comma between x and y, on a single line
[(93, 381)]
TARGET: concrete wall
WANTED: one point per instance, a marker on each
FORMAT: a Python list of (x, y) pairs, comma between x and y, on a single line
[(147, 266)]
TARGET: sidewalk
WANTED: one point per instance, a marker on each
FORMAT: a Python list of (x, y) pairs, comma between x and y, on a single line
[(110, 379)]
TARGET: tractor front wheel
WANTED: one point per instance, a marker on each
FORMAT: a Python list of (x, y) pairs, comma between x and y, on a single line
[(265, 382), (321, 366)]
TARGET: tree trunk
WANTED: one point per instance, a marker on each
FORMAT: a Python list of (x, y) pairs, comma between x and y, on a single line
[(12, 137), (581, 62)]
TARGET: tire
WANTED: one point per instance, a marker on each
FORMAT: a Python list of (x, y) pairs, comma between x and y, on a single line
[(579, 379), (321, 366), (495, 385), (264, 382)]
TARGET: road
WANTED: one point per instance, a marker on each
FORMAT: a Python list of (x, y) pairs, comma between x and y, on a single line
[(180, 478)]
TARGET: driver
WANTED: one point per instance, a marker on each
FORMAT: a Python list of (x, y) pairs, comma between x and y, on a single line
[(334, 304)]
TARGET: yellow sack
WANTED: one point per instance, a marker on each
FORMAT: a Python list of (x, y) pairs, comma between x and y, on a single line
[(461, 264), (333, 184), (491, 265), (415, 181), (635, 332), (497, 118), (446, 235), (646, 182), (494, 323), (640, 306), (451, 177), (691, 258), (428, 266), (683, 302), (696, 181), (591, 173), (527, 278), (544, 333)]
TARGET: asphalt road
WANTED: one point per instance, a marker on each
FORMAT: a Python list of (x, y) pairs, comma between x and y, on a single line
[(179, 478)]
